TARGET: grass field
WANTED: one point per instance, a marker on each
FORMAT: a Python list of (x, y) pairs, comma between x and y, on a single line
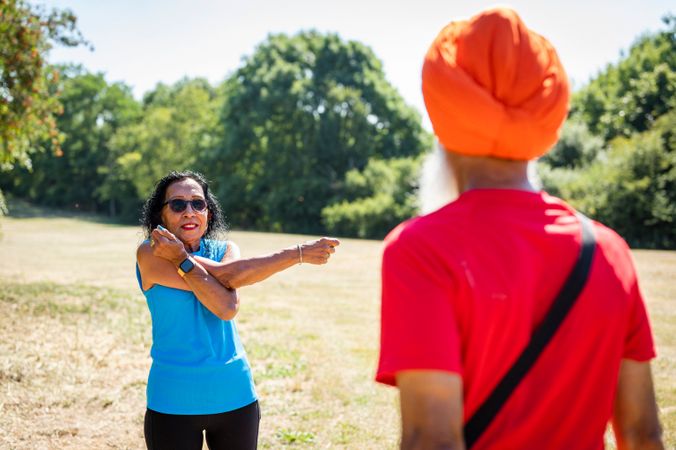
[(75, 336)]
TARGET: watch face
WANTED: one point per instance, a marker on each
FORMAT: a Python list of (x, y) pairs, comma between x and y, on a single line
[(187, 265)]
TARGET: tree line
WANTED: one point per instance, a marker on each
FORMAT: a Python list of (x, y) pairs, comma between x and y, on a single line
[(308, 136)]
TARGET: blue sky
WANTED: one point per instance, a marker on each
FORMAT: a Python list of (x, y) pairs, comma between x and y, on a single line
[(142, 42)]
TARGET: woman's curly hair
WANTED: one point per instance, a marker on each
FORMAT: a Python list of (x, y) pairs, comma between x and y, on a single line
[(151, 215)]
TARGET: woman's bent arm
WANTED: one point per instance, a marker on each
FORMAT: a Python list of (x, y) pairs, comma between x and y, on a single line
[(221, 301)]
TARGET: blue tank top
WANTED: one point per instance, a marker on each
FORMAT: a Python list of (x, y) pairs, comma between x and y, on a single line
[(199, 365)]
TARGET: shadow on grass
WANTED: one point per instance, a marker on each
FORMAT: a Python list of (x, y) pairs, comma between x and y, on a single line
[(21, 209)]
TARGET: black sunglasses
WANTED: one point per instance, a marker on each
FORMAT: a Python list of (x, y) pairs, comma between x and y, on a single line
[(179, 205)]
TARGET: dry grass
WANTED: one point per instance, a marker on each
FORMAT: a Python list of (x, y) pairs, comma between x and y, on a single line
[(74, 339), (72, 367)]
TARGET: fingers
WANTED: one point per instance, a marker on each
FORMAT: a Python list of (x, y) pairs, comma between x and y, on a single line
[(333, 242), (160, 242), (326, 243), (164, 232), (158, 237), (319, 251), (323, 258)]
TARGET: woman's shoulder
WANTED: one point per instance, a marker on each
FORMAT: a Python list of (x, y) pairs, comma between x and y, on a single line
[(143, 250)]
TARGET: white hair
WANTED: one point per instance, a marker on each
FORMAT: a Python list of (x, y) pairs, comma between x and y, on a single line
[(438, 186), (533, 177)]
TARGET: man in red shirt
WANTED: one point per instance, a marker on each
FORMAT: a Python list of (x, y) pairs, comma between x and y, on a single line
[(464, 287)]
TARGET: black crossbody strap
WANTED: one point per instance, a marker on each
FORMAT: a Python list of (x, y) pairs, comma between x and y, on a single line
[(564, 301)]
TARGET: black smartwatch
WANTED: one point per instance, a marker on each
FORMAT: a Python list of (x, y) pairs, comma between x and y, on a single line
[(186, 266)]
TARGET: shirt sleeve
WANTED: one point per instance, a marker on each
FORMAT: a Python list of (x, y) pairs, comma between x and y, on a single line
[(638, 344), (418, 325)]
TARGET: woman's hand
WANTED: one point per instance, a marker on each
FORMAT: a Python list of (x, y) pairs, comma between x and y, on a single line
[(318, 251), (167, 246)]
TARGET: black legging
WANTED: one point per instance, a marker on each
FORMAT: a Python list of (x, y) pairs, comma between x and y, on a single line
[(232, 430)]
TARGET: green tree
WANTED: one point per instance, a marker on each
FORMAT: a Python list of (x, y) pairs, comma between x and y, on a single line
[(27, 83), (179, 124), (93, 110), (576, 147), (629, 96), (300, 112), (377, 198)]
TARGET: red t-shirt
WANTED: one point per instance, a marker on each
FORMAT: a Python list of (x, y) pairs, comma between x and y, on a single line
[(463, 289)]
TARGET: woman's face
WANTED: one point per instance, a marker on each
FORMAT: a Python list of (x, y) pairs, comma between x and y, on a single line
[(190, 224)]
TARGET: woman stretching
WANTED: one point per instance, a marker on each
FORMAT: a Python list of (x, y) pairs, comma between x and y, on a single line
[(200, 379)]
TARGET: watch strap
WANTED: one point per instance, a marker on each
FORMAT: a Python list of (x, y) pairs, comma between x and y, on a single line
[(185, 267)]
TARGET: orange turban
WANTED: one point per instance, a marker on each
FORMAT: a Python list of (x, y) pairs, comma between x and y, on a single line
[(494, 88)]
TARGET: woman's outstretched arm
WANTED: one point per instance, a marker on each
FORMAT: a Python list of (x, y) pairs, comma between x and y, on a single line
[(235, 273)]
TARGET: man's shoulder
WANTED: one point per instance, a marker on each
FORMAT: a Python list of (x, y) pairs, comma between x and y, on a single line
[(428, 227), (605, 236), (612, 246)]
